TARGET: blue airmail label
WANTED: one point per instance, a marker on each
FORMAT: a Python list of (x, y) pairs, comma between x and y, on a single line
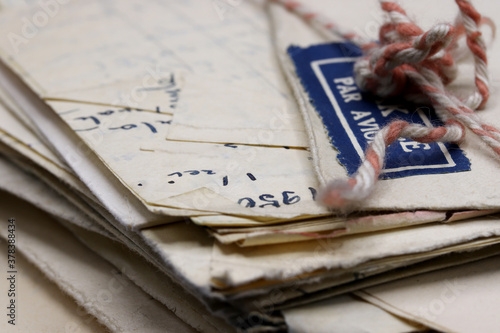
[(352, 118)]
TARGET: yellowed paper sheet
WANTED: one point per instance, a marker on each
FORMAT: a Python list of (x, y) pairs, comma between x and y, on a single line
[(329, 227), (345, 314), (40, 300), (131, 66), (457, 299), (19, 137), (233, 266), (113, 299)]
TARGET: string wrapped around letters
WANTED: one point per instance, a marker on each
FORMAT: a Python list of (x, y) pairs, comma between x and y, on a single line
[(417, 65)]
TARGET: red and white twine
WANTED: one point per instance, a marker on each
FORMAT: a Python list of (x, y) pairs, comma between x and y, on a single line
[(417, 65)]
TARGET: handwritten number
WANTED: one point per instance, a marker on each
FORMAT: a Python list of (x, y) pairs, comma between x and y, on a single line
[(192, 172), (209, 172), (287, 200), (250, 203), (151, 127), (313, 192), (265, 197)]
